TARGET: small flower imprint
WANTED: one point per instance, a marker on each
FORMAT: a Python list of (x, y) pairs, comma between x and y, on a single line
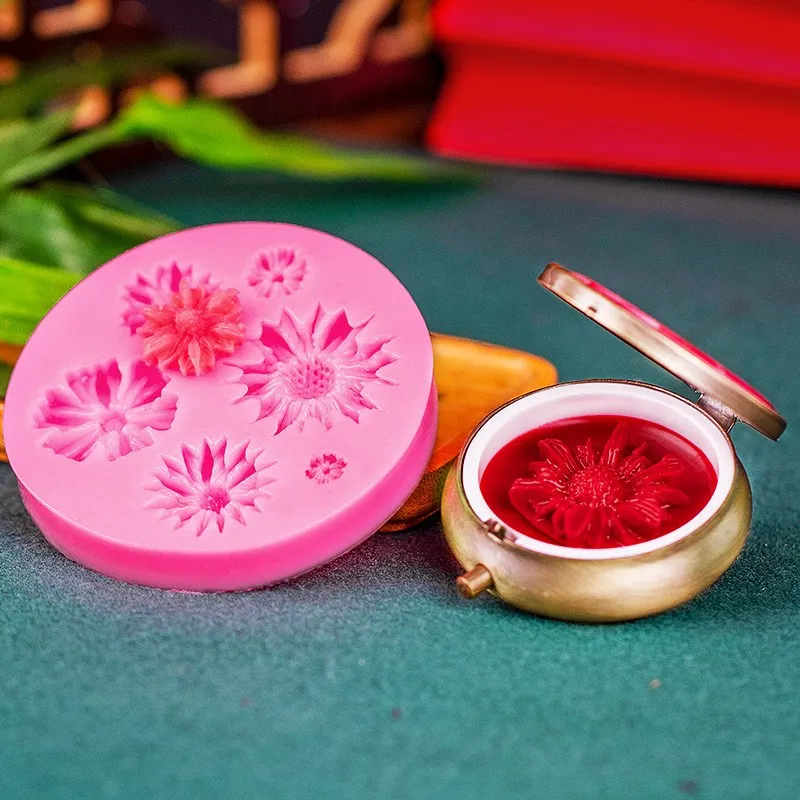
[(325, 468), (315, 369), (156, 290), (109, 407), (212, 483), (192, 329), (278, 271)]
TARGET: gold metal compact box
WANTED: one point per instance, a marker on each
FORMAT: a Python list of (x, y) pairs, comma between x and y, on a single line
[(615, 583)]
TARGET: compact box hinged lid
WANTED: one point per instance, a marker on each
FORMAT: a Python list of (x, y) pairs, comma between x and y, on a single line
[(729, 394)]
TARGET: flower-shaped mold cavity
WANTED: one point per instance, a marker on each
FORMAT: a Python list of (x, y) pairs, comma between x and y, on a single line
[(199, 509), (155, 289), (325, 468), (110, 409), (210, 484), (277, 271), (318, 368), (194, 328)]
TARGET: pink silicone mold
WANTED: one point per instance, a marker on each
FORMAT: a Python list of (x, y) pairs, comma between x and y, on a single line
[(260, 402)]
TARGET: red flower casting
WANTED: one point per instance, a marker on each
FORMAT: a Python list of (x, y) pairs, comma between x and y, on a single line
[(157, 289), (582, 500), (193, 329)]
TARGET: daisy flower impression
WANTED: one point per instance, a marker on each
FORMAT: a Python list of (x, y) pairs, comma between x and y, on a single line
[(316, 368)]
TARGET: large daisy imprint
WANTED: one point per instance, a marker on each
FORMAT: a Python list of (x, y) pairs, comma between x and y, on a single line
[(318, 368), (111, 408)]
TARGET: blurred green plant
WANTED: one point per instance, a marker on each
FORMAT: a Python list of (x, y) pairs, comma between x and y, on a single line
[(211, 133), (27, 291)]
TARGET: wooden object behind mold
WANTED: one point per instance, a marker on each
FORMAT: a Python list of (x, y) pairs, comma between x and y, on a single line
[(472, 380)]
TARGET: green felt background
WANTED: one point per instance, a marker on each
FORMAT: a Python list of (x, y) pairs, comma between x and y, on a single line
[(371, 678)]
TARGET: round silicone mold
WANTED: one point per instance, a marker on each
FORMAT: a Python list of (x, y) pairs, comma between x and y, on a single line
[(284, 433)]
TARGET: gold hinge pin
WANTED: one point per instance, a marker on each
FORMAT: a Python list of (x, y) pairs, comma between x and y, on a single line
[(473, 582)]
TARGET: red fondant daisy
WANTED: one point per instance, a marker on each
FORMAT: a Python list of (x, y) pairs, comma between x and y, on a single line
[(193, 329), (156, 289), (590, 499)]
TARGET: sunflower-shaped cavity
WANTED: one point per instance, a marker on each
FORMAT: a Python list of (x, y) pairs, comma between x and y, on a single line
[(210, 484), (317, 368), (111, 409)]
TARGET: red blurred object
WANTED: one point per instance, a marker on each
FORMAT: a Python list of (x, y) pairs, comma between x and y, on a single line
[(694, 89)]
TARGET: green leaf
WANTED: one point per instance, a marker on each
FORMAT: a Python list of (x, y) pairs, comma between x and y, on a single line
[(27, 292), (108, 211), (36, 86), (5, 376), (46, 162), (21, 138), (73, 227), (210, 132)]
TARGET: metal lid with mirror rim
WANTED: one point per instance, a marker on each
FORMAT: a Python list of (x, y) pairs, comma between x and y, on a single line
[(725, 393)]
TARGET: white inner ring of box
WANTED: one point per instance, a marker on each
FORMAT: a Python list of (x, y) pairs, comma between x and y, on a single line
[(595, 399)]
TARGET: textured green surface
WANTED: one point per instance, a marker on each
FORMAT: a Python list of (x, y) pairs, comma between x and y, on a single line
[(370, 678)]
